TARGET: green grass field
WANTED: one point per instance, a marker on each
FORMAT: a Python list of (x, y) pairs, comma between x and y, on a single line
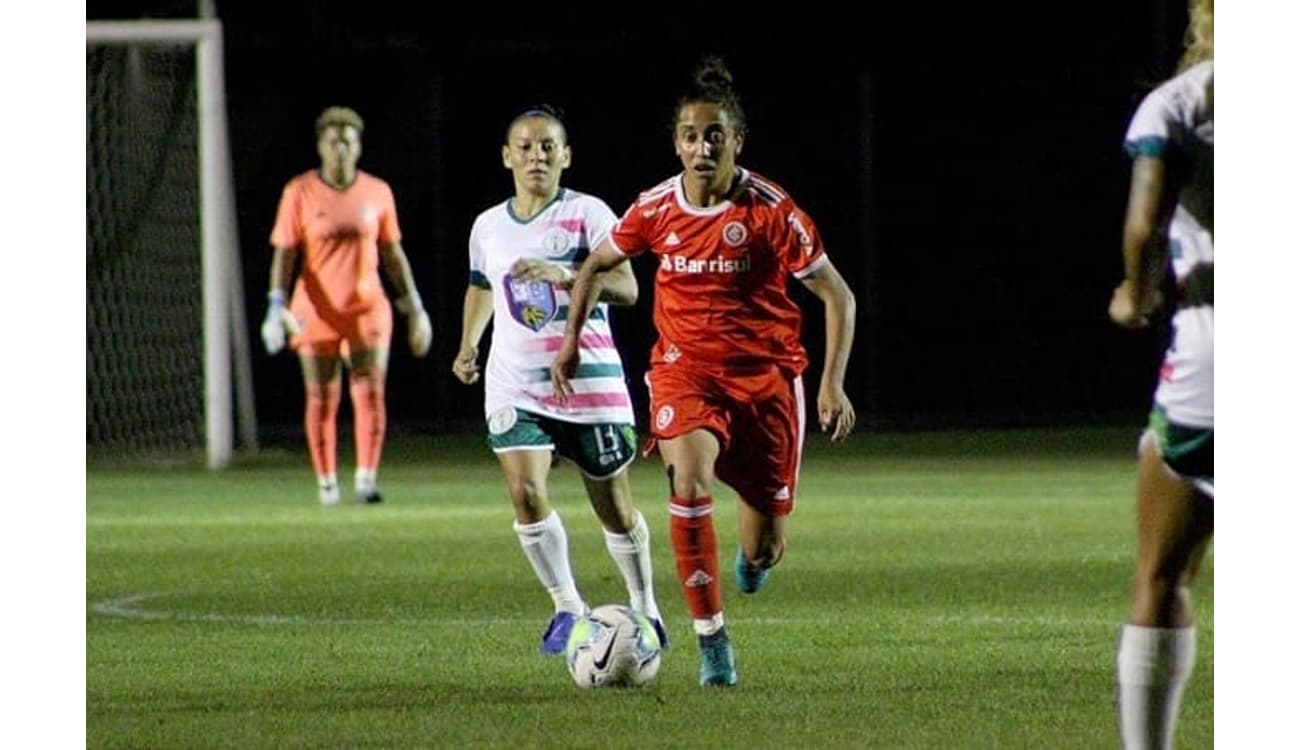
[(956, 590)]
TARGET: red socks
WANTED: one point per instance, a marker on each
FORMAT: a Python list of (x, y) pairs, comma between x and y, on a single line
[(695, 547)]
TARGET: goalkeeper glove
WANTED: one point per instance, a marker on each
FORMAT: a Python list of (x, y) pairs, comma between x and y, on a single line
[(419, 329), (278, 322)]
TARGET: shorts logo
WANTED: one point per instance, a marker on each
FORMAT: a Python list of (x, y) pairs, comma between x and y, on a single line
[(783, 493), (501, 420), (664, 417), (735, 234)]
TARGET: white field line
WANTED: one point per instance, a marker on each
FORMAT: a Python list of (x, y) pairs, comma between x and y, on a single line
[(135, 607)]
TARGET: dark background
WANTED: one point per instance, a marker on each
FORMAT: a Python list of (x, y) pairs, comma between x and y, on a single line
[(964, 167)]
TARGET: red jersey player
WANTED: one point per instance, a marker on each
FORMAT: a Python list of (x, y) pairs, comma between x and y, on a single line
[(344, 222), (725, 375)]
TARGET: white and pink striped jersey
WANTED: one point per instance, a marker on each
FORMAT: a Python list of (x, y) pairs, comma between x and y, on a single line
[(529, 317)]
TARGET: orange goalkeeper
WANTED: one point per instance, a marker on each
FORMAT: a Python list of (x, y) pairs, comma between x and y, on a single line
[(343, 223)]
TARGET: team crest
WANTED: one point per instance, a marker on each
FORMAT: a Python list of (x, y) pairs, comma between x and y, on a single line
[(501, 420), (735, 234), (555, 243), (664, 417), (532, 303)]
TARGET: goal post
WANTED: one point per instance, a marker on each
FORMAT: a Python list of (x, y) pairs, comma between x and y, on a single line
[(160, 217)]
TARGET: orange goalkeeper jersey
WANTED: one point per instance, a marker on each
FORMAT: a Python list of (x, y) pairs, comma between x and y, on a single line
[(338, 233)]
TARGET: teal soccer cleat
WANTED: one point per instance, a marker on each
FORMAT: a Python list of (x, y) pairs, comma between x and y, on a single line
[(717, 660), (749, 578)]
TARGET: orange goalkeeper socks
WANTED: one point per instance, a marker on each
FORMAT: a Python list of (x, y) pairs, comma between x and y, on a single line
[(322, 432), (370, 417)]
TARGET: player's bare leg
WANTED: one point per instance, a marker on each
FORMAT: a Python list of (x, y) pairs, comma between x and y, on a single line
[(762, 544), (1157, 648), (544, 540)]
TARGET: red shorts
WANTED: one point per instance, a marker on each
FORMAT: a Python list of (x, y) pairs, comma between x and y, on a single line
[(330, 335), (757, 415)]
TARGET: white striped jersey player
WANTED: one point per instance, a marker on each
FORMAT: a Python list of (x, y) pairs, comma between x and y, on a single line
[(529, 317), (1175, 123)]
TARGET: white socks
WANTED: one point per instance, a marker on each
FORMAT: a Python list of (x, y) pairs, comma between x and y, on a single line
[(1152, 667), (631, 552), (546, 545), (709, 625), (328, 487), (366, 480)]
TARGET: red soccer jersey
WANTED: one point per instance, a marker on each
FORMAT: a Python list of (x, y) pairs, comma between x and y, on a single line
[(720, 292), (339, 232)]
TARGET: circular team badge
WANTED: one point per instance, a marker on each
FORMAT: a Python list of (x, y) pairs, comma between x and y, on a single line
[(664, 417), (735, 233), (501, 420), (556, 243)]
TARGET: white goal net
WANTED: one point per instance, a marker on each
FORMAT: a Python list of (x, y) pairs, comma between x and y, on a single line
[(165, 335)]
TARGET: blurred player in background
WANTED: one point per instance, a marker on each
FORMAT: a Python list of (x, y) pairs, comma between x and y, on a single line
[(521, 257), (726, 390), (1170, 225), (343, 222)]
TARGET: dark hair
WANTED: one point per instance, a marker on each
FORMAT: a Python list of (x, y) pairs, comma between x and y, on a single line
[(712, 82), (547, 111), (340, 116)]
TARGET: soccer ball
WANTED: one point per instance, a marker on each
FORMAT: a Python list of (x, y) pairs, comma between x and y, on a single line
[(613, 646)]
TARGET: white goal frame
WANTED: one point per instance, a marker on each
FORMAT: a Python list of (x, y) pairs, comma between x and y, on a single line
[(225, 329)]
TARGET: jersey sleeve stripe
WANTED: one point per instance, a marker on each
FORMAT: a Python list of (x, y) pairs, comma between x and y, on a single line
[(1151, 145), (811, 268), (614, 245), (476, 278)]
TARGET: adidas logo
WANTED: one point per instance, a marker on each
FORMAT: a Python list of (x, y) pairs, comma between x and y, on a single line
[(673, 239), (699, 578), (783, 493)]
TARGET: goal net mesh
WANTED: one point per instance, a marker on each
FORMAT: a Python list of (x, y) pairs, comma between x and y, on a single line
[(144, 310)]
